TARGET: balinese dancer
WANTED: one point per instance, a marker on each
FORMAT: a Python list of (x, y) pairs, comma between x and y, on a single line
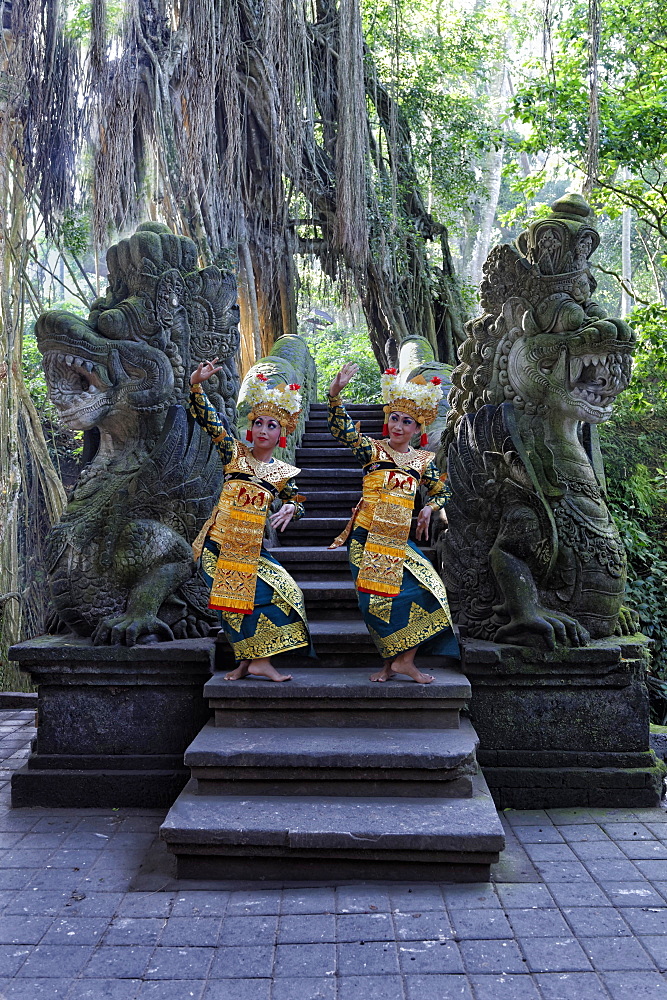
[(401, 597), (260, 606)]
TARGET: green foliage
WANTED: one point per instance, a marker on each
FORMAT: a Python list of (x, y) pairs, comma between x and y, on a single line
[(79, 17), (75, 233), (634, 444), (632, 88), (33, 375), (438, 60), (64, 445), (647, 394), (332, 347)]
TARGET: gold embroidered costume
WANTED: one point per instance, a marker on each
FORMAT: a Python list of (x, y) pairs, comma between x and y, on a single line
[(261, 607), (402, 598)]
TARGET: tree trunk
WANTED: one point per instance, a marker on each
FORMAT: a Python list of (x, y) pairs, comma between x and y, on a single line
[(627, 300), (493, 169)]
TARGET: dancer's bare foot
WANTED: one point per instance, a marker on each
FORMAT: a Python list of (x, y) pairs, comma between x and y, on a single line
[(403, 664), (239, 672), (383, 675), (257, 668)]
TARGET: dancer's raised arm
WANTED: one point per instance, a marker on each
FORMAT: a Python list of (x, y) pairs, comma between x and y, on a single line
[(205, 413), (343, 379), (341, 426)]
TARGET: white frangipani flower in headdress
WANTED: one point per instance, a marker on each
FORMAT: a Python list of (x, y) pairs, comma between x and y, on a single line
[(281, 401), (416, 397)]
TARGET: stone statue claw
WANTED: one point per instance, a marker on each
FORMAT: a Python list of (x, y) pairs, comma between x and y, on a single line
[(130, 631), (542, 627), (628, 622)]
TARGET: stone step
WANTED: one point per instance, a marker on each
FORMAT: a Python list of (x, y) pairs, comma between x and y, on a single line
[(325, 760), (316, 477), (316, 528), (322, 529), (339, 642), (317, 562), (345, 642), (352, 408), (313, 562), (333, 638), (336, 594), (323, 458), (369, 425), (327, 837), (322, 696), (329, 498), (322, 438)]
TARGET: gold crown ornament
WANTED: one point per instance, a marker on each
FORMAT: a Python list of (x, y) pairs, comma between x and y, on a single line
[(416, 397), (281, 401)]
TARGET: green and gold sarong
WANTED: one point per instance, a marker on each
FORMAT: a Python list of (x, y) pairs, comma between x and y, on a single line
[(277, 622)]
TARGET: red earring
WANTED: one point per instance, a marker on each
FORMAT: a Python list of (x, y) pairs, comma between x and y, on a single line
[(283, 441), (248, 434), (423, 441), (385, 430)]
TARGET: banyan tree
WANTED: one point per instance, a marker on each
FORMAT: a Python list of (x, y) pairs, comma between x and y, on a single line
[(260, 129)]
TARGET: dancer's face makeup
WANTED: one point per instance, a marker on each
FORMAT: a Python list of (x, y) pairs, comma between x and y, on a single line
[(402, 427), (265, 432)]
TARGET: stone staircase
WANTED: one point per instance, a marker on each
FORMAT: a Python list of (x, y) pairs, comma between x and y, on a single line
[(328, 775)]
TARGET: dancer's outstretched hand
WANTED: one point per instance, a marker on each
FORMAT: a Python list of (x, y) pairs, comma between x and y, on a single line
[(344, 376), (282, 517), (204, 370)]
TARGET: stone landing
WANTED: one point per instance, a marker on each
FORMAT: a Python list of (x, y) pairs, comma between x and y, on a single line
[(112, 722), (331, 776), (564, 728)]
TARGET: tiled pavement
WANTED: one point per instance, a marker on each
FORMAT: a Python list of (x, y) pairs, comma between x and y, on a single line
[(89, 911)]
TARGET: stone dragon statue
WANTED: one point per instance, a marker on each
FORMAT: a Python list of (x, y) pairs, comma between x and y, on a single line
[(119, 562), (531, 555)]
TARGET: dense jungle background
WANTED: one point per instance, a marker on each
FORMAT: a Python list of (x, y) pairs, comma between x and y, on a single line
[(353, 162)]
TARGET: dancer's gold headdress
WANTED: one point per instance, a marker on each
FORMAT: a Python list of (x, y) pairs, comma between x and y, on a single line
[(280, 401), (416, 397)]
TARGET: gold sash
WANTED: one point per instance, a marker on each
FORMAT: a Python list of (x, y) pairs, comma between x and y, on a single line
[(237, 525), (381, 570), (385, 510)]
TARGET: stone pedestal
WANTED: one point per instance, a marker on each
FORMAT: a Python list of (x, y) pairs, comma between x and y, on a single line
[(113, 722), (564, 728)]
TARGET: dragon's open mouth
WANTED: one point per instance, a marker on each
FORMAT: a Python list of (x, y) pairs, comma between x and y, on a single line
[(597, 379), (74, 383)]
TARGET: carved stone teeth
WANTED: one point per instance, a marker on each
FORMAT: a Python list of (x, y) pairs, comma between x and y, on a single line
[(92, 389), (69, 359), (88, 365)]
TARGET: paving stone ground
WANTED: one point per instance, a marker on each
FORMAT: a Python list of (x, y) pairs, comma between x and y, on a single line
[(89, 910)]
